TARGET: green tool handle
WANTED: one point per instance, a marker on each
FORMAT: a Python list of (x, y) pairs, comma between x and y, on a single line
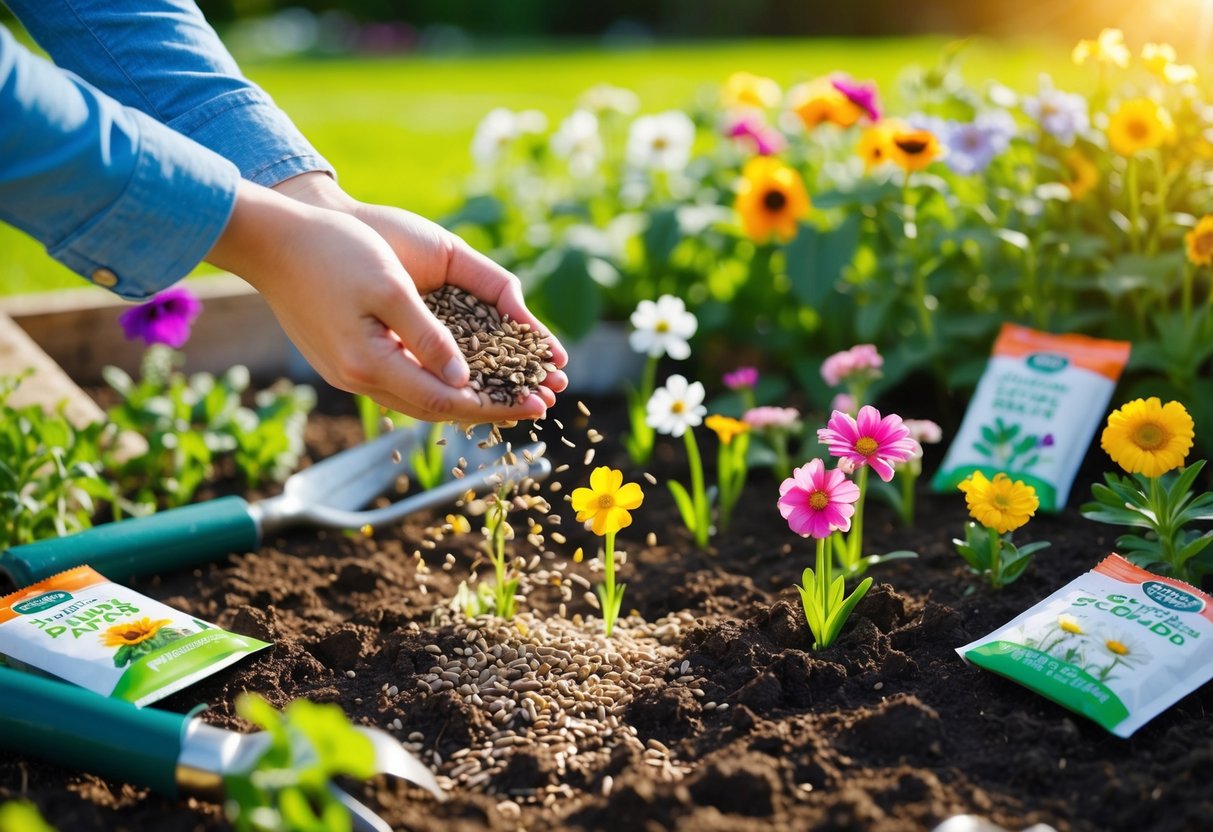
[(79, 729), (168, 540)]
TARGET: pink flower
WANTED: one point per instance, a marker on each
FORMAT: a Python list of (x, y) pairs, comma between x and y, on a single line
[(817, 502), (861, 94), (765, 140), (743, 378), (861, 358), (924, 431), (844, 402), (771, 417), (870, 440)]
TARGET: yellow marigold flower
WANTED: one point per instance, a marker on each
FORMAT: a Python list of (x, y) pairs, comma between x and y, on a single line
[(1140, 124), (819, 101), (1108, 48), (1000, 504), (744, 89), (1160, 59), (1083, 174), (1147, 437), (875, 146), (130, 633), (913, 149), (725, 427), (607, 502), (1200, 242), (771, 199)]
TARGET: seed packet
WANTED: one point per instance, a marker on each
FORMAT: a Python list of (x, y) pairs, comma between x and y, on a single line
[(1035, 411), (1118, 645), (102, 636)]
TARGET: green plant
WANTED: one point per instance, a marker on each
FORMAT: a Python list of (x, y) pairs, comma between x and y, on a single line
[(49, 479), (288, 788), (191, 422), (496, 529), (22, 816), (999, 507)]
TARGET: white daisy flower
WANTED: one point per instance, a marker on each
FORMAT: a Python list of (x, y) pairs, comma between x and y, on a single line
[(676, 407), (577, 140), (663, 327), (661, 142), (605, 98), (498, 130)]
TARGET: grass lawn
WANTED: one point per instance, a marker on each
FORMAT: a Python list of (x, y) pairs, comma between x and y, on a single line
[(398, 129)]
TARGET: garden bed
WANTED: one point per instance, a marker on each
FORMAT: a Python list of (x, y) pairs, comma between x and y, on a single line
[(706, 710)]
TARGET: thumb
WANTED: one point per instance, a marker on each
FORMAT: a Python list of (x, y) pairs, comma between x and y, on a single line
[(425, 336)]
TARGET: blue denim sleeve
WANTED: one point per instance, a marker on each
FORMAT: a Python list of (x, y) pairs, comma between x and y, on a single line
[(113, 194), (162, 57)]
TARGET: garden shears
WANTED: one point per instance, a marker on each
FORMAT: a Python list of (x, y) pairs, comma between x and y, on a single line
[(330, 494), (172, 754)]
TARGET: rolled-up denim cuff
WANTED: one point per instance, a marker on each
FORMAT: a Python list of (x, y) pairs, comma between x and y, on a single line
[(247, 127), (169, 216)]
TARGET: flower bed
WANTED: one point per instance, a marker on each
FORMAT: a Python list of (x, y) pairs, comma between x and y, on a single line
[(708, 710)]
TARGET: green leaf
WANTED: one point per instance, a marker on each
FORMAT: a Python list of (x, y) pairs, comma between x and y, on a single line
[(686, 506), (816, 259), (567, 297), (662, 236), (839, 616)]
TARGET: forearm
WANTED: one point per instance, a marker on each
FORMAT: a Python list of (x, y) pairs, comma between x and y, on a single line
[(162, 58)]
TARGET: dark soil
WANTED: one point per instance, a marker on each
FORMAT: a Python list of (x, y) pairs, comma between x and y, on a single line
[(886, 730)]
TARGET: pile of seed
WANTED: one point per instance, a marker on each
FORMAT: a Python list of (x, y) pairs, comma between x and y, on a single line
[(555, 688), (507, 359)]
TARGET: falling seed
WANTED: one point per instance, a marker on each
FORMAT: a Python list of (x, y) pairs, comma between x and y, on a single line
[(589, 457), (559, 423), (350, 674), (651, 539), (367, 530), (441, 441), (386, 425), (578, 555), (581, 406), (457, 473), (560, 469), (567, 443), (559, 538), (652, 479), (396, 457), (463, 463), (534, 438), (555, 486)]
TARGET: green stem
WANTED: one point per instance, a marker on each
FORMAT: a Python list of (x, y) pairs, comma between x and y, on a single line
[(855, 539), (824, 578), (1161, 194), (699, 495), (1162, 521), (995, 558), (608, 582), (1186, 296), (1134, 206), (779, 443)]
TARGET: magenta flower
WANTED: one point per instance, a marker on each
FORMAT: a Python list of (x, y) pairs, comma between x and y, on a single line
[(870, 440), (771, 417), (862, 95), (861, 358), (844, 402), (817, 502), (766, 140), (165, 319), (743, 378)]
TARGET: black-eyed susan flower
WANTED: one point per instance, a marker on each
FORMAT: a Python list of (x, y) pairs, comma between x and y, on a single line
[(1001, 504), (1148, 437), (1083, 175), (771, 199), (1200, 242), (1140, 124), (911, 149), (875, 146)]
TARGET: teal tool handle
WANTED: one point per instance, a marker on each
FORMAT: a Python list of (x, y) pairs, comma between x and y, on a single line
[(173, 539), (79, 729)]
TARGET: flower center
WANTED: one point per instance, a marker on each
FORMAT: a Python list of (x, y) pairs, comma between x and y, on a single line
[(1203, 243), (1071, 627), (660, 143), (662, 326), (678, 407), (606, 501), (1137, 129), (774, 201), (818, 500), (1150, 436), (867, 446), (912, 147), (1117, 647)]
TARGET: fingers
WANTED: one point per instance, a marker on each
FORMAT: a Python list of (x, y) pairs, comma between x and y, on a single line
[(426, 337)]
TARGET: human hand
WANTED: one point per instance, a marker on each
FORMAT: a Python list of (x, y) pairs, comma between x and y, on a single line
[(343, 298), (433, 256)]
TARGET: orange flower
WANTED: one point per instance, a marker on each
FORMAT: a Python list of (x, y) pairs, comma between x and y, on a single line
[(726, 428), (875, 146), (913, 149), (1200, 242), (819, 101), (1083, 174), (771, 199)]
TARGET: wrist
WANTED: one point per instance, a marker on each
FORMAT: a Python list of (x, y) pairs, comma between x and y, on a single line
[(257, 233), (318, 189)]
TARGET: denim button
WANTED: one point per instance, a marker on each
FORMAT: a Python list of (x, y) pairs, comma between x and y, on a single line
[(106, 278)]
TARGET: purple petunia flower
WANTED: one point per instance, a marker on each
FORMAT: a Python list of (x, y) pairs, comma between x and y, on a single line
[(1063, 115), (165, 319), (862, 95), (973, 145), (766, 140), (743, 378)]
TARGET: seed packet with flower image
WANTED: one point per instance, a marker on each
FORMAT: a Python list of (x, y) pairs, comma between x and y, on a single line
[(89, 631), (1035, 411), (1118, 645)]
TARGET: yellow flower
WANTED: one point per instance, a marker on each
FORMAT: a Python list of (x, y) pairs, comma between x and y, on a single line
[(875, 146), (1200, 242), (130, 633), (743, 89), (607, 501), (1160, 59), (913, 149), (1139, 124), (1083, 174), (725, 427), (999, 504), (771, 199), (819, 101), (1147, 437), (1108, 48), (1069, 624)]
